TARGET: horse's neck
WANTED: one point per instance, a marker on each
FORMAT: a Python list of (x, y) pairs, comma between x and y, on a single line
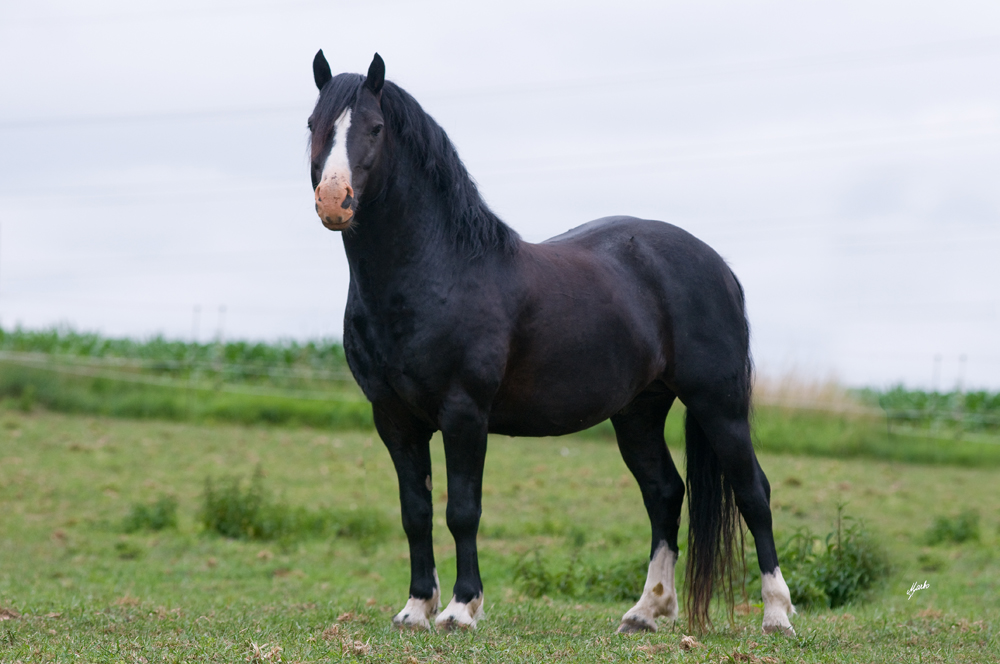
[(400, 243), (405, 239)]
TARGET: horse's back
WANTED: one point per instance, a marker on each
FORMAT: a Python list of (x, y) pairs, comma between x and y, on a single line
[(608, 233), (682, 271), (676, 289), (608, 309)]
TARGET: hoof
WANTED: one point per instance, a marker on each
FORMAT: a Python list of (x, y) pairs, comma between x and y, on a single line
[(635, 624), (411, 621), (777, 628), (453, 625), (416, 613), (459, 615)]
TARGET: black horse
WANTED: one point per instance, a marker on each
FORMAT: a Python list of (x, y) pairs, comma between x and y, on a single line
[(455, 324)]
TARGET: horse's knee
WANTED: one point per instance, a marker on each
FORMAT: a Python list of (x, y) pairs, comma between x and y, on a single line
[(417, 519), (674, 490), (463, 518)]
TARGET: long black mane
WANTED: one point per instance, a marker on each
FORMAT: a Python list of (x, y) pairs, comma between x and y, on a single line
[(420, 143)]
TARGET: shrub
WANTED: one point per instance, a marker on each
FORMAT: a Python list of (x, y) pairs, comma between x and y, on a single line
[(364, 525), (127, 550), (958, 529), (254, 514), (622, 581), (833, 571), (156, 516)]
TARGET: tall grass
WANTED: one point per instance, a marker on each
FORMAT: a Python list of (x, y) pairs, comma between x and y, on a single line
[(308, 383), (954, 412), (537, 576), (955, 530), (158, 515), (249, 511), (325, 354), (26, 387)]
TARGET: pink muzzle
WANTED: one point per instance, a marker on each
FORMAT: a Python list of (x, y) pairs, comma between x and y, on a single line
[(335, 203)]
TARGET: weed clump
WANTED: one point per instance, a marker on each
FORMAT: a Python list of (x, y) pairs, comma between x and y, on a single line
[(159, 515), (252, 513), (834, 571), (958, 529), (26, 402), (615, 583), (127, 550)]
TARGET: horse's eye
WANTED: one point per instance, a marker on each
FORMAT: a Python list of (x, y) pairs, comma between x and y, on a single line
[(376, 129)]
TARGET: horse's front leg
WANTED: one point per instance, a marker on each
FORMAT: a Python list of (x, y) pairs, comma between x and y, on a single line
[(408, 442), (463, 427)]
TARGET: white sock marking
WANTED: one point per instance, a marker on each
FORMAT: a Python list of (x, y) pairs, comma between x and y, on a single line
[(460, 614), (659, 597), (777, 603), (417, 612)]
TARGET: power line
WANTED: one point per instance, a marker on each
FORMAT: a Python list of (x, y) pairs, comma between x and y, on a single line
[(979, 47), (155, 116), (241, 8), (914, 53)]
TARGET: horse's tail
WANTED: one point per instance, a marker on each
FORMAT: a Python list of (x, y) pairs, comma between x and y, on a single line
[(715, 538)]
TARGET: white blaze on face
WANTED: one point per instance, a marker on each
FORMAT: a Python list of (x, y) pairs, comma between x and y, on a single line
[(334, 194), (659, 597), (336, 165)]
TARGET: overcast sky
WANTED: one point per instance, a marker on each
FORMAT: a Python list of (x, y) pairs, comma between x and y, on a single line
[(844, 157)]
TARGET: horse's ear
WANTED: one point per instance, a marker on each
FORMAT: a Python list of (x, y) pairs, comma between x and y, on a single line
[(376, 75), (321, 70)]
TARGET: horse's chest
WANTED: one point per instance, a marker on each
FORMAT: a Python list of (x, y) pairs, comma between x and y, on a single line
[(400, 351)]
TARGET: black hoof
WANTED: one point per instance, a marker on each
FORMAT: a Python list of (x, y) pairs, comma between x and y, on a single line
[(634, 626)]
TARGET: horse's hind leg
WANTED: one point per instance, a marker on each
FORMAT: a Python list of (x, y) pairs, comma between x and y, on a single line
[(727, 433), (639, 429), (408, 442)]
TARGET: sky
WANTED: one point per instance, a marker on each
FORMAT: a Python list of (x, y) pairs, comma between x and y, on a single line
[(842, 156)]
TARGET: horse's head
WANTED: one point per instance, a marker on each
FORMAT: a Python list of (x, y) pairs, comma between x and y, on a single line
[(346, 140)]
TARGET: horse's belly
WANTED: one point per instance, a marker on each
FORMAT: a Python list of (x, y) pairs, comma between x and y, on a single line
[(553, 407), (529, 420)]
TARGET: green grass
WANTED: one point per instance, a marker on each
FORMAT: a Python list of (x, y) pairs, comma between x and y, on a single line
[(250, 511), (86, 591), (853, 435), (959, 529), (844, 567), (954, 413), (288, 363), (158, 515), (343, 407), (290, 383), (25, 388)]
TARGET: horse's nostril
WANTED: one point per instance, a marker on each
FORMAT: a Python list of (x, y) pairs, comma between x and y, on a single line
[(347, 202)]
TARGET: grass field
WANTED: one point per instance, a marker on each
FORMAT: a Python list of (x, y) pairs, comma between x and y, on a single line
[(87, 591)]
